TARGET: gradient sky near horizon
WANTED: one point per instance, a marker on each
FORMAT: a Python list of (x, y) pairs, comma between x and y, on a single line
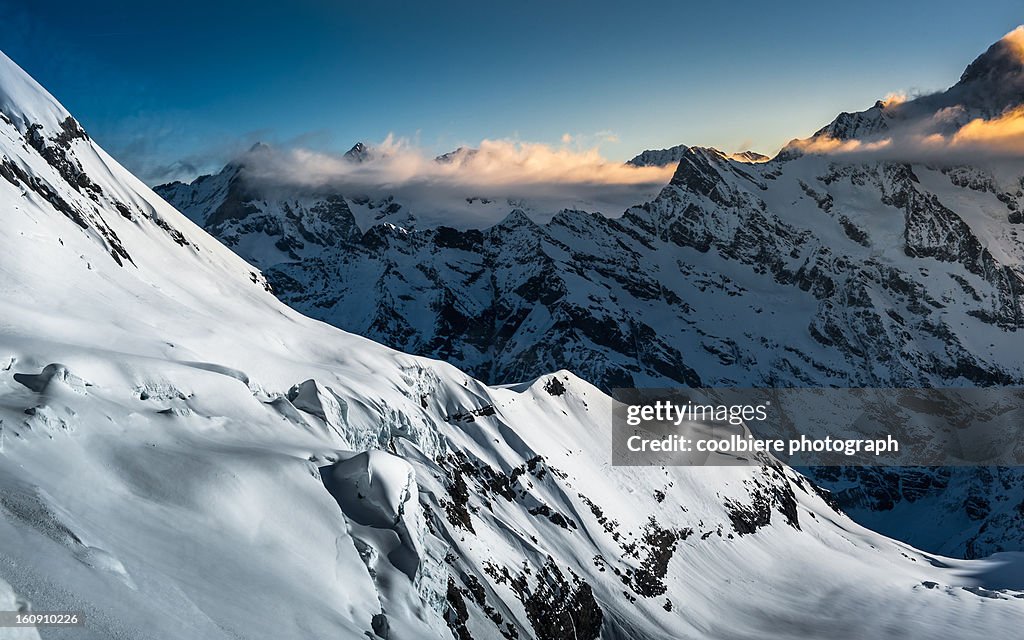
[(175, 89)]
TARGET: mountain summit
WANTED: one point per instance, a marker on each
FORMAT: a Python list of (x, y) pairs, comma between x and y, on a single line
[(358, 153), (1002, 62), (991, 87)]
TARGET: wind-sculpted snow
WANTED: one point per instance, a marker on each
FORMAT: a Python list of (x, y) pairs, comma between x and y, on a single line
[(181, 455)]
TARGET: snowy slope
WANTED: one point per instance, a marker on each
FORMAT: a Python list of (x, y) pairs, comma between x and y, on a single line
[(181, 455)]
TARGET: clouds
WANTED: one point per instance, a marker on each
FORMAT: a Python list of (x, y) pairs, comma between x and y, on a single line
[(824, 144), (539, 177), (493, 163), (1014, 43), (949, 136), (1004, 134), (504, 166), (894, 98)]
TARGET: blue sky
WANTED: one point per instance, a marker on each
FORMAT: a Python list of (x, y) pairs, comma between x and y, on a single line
[(161, 83)]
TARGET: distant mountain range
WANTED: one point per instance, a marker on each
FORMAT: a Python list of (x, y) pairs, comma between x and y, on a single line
[(828, 265)]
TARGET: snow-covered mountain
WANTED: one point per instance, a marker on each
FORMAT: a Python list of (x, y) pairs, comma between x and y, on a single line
[(659, 157), (674, 155), (184, 456), (829, 265), (991, 88)]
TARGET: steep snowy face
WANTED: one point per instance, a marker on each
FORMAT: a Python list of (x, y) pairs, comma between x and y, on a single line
[(181, 455), (1005, 57), (50, 162), (25, 103)]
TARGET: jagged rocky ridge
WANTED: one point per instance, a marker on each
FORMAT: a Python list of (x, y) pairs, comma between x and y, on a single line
[(673, 155), (892, 292), (807, 270)]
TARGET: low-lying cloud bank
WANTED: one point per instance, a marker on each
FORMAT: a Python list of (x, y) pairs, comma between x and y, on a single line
[(950, 135), (539, 178), (493, 164)]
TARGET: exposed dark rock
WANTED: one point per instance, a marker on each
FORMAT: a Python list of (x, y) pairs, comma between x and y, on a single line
[(457, 615), (554, 386), (765, 497)]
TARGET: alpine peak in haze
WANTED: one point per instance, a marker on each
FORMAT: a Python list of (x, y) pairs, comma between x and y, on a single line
[(1001, 64), (992, 87), (673, 155), (358, 153), (182, 455)]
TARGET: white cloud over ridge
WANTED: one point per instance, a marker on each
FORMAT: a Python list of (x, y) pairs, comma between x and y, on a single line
[(455, 188), (493, 164), (949, 136)]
